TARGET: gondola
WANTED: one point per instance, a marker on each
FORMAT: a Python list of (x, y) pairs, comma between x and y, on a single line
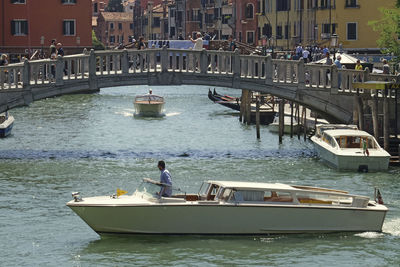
[(267, 112), (227, 101)]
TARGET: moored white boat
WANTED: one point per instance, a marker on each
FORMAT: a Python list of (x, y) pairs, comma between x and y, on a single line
[(274, 126), (347, 148), (231, 208), (6, 124), (149, 105)]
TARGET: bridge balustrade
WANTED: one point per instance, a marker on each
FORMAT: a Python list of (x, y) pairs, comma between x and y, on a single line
[(75, 67), (11, 76), (285, 71), (77, 73), (319, 76)]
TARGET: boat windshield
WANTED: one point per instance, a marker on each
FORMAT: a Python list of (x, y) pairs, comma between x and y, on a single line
[(149, 186), (356, 142), (328, 139), (149, 98)]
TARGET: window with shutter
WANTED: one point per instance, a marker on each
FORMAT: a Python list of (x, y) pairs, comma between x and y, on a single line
[(13, 27), (352, 31), (69, 27), (19, 27), (68, 2), (18, 2)]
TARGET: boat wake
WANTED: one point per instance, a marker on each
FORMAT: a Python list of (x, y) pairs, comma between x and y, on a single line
[(370, 235), (392, 227), (172, 114), (126, 112)]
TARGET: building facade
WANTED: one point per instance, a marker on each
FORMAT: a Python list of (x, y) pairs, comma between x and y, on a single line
[(285, 23), (27, 27), (114, 28), (247, 21), (98, 6)]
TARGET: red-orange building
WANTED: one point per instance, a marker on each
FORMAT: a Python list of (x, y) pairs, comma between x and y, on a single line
[(114, 28), (29, 25), (246, 21)]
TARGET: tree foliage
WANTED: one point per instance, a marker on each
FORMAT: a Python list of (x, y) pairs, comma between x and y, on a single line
[(97, 45), (114, 6), (389, 28)]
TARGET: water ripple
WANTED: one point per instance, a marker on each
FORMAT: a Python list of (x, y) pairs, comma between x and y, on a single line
[(121, 154)]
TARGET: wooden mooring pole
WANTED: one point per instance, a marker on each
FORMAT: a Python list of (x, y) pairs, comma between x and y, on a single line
[(374, 111), (298, 121), (248, 107), (386, 120), (305, 123), (360, 111), (258, 117), (291, 119), (281, 119)]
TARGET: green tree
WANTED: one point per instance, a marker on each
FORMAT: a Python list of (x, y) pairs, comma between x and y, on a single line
[(389, 28), (114, 6), (97, 45)]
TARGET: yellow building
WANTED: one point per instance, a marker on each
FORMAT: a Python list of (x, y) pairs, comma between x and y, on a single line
[(285, 23)]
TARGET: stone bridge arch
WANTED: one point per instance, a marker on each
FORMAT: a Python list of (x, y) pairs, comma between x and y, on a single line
[(314, 86)]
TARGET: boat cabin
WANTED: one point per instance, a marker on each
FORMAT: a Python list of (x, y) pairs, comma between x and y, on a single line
[(347, 139), (149, 98), (268, 193), (3, 117)]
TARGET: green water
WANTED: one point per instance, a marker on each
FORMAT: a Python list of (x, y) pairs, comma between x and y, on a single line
[(93, 144)]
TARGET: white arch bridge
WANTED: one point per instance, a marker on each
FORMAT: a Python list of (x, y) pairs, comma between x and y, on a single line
[(322, 88)]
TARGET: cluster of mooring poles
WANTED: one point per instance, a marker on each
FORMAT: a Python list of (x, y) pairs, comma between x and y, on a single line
[(386, 92), (295, 115)]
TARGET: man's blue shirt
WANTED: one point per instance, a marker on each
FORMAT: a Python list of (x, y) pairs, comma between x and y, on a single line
[(165, 178)]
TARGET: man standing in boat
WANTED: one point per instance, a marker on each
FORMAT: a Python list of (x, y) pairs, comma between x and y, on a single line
[(165, 180)]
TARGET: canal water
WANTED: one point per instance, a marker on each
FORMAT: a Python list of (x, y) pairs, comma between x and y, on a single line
[(93, 144)]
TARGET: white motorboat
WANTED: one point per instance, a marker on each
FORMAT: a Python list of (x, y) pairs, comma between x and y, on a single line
[(231, 208), (6, 124), (274, 126), (347, 148), (149, 105)]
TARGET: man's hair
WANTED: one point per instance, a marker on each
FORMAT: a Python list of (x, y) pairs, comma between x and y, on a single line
[(162, 164)]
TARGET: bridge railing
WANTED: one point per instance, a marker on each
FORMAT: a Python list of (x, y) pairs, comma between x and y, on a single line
[(11, 76), (285, 71), (319, 75), (220, 62), (252, 66), (75, 67), (213, 62)]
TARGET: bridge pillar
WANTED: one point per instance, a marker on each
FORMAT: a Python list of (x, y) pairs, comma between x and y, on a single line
[(26, 77), (236, 69), (300, 72), (26, 81), (203, 61), (164, 59), (59, 71), (92, 71), (125, 62), (268, 69), (334, 79)]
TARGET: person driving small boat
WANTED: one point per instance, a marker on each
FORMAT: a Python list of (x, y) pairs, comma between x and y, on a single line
[(165, 180)]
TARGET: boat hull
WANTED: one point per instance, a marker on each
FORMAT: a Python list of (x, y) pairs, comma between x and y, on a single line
[(6, 127), (149, 110), (352, 162), (273, 127), (209, 219)]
